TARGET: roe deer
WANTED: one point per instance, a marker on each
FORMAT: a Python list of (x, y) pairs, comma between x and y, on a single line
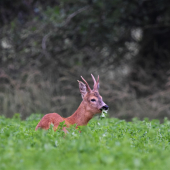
[(92, 104)]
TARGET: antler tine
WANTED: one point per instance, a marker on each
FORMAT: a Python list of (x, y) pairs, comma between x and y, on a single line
[(88, 87), (94, 86)]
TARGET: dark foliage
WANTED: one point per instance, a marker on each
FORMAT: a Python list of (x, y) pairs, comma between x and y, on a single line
[(45, 45)]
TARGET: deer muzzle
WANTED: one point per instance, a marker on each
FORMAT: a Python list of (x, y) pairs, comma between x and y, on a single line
[(105, 107)]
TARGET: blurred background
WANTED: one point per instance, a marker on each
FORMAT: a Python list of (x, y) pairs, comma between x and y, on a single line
[(45, 46)]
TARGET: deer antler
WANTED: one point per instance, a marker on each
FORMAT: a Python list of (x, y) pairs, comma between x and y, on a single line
[(95, 86), (93, 81), (88, 87)]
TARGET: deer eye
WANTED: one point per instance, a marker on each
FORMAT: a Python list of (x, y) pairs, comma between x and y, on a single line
[(93, 100)]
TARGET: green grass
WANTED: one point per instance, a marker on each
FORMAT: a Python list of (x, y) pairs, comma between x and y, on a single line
[(102, 144)]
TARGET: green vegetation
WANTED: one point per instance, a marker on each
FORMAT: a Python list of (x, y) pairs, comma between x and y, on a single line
[(102, 144)]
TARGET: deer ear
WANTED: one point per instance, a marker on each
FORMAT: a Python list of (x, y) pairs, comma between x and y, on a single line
[(82, 88)]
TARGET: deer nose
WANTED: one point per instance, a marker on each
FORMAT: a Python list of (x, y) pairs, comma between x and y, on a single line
[(105, 107)]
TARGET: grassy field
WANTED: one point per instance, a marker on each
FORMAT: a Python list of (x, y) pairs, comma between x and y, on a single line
[(103, 144)]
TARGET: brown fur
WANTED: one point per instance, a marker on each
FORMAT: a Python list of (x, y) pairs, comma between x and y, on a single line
[(83, 114)]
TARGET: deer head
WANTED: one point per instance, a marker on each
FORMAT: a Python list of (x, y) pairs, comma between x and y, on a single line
[(91, 98)]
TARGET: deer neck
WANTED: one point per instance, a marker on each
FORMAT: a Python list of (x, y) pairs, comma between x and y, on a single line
[(81, 116)]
